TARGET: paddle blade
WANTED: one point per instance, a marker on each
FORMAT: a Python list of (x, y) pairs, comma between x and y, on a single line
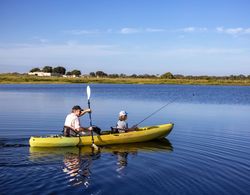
[(94, 146), (88, 92)]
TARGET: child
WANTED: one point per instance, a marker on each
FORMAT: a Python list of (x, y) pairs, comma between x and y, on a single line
[(122, 125)]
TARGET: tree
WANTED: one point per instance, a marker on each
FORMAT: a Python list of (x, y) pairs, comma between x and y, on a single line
[(122, 75), (69, 73), (35, 70), (59, 70), (232, 77), (241, 77), (76, 72), (133, 75), (92, 74), (179, 76), (113, 75), (167, 75), (101, 74), (47, 69)]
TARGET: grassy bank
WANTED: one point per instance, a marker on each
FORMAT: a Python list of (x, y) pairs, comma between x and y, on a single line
[(21, 79)]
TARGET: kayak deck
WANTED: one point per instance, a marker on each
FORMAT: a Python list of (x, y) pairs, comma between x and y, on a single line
[(140, 135)]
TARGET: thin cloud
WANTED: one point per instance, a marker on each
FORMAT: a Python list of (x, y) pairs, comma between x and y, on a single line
[(82, 32), (129, 30), (198, 52), (67, 52), (193, 29), (210, 51), (188, 29), (157, 30), (40, 40), (141, 30), (233, 31), (154, 30)]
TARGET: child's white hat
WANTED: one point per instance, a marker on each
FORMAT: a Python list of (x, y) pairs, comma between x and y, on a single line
[(123, 113)]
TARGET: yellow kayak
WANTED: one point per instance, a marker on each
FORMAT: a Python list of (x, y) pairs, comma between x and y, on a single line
[(141, 135)]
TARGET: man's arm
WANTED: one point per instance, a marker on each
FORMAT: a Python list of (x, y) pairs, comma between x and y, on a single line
[(85, 111), (85, 129)]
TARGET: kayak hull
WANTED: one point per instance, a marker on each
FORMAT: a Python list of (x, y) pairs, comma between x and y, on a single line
[(141, 135)]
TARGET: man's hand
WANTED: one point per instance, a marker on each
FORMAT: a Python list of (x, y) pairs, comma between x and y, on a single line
[(90, 128), (87, 110)]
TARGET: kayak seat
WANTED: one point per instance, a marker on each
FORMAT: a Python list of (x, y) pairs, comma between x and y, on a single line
[(118, 130), (69, 132), (97, 130), (114, 130)]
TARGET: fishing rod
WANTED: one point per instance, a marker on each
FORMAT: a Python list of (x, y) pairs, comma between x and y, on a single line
[(170, 102)]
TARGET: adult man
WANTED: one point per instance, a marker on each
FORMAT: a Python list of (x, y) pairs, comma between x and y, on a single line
[(72, 126)]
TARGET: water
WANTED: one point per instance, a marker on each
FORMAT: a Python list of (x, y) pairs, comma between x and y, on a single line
[(208, 151)]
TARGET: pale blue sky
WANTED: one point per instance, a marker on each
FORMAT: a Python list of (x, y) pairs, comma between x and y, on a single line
[(128, 36)]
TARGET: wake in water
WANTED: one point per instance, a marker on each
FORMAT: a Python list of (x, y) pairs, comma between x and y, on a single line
[(14, 142)]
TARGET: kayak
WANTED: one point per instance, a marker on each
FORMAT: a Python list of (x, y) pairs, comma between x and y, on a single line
[(142, 134)]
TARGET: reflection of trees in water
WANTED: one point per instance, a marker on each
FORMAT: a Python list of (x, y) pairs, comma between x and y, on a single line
[(77, 167)]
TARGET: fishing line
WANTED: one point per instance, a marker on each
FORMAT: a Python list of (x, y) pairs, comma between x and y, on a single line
[(155, 112)]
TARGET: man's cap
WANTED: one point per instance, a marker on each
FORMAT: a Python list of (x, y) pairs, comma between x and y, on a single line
[(123, 113), (77, 108)]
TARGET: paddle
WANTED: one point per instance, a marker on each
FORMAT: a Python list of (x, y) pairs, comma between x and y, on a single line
[(90, 119)]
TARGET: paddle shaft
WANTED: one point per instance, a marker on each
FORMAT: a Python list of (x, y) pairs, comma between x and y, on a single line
[(90, 119), (90, 122)]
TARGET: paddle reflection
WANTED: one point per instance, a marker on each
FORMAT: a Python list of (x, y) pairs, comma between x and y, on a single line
[(77, 167), (78, 162)]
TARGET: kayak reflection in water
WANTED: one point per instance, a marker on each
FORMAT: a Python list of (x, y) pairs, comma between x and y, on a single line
[(77, 167), (77, 162)]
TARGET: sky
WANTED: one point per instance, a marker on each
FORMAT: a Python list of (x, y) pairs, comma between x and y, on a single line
[(189, 37)]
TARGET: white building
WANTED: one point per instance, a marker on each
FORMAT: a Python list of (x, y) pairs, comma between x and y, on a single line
[(70, 76), (43, 74)]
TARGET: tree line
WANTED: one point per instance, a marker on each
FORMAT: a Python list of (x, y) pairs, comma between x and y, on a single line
[(168, 75), (57, 70)]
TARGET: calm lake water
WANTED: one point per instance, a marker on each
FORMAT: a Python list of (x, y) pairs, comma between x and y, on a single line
[(208, 151)]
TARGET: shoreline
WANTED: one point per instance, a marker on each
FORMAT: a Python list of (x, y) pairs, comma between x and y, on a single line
[(26, 79)]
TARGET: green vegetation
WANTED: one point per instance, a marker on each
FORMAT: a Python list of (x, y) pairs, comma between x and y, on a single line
[(57, 70), (74, 72), (123, 79)]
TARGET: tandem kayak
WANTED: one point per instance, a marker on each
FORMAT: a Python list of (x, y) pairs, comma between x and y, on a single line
[(142, 134)]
